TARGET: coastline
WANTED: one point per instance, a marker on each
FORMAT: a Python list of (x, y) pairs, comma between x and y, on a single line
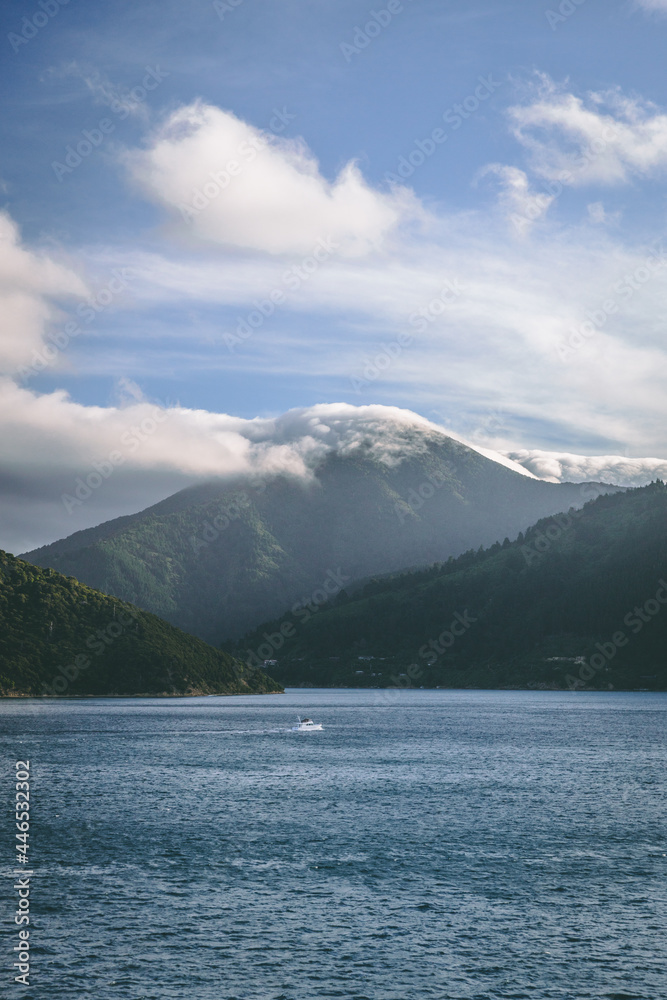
[(162, 694), (325, 687)]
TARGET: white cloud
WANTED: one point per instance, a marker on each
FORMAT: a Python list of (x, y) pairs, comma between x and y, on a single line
[(497, 344), (596, 213), (522, 301), (562, 467), (607, 138), (232, 184), (141, 452), (494, 345), (522, 205), (30, 286), (118, 460), (653, 5)]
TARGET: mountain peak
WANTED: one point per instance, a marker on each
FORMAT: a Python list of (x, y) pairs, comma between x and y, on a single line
[(374, 491)]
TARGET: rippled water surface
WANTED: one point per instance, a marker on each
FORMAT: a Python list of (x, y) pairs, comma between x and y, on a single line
[(435, 844)]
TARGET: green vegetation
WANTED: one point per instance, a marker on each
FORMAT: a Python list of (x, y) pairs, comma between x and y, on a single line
[(58, 636), (218, 558), (580, 601)]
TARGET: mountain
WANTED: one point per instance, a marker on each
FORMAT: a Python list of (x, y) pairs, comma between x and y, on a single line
[(58, 636), (217, 558), (580, 601)]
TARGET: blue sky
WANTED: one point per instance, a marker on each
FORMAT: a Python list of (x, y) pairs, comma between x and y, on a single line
[(485, 183)]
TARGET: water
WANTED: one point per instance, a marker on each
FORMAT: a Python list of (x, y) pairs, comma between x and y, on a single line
[(436, 844)]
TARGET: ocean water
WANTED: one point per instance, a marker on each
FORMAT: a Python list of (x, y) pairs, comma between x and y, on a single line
[(458, 845)]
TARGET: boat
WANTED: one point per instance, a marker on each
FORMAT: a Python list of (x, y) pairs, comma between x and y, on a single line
[(306, 726)]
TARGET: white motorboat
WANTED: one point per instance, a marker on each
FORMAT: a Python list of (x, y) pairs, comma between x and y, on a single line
[(306, 726)]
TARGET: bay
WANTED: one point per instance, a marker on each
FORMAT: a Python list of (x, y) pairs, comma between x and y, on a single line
[(459, 845)]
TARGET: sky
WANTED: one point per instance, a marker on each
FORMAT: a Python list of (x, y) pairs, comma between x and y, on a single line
[(223, 219)]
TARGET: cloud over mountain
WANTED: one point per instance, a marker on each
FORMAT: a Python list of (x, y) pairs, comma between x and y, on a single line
[(560, 332), (68, 466), (561, 467)]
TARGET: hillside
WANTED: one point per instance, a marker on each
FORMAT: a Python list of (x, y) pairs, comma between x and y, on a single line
[(59, 637), (216, 559), (580, 601)]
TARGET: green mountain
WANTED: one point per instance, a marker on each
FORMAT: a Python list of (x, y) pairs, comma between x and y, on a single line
[(215, 559), (580, 601), (59, 637)]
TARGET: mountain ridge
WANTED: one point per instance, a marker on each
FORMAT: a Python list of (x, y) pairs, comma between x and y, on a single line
[(579, 601), (59, 637), (218, 557)]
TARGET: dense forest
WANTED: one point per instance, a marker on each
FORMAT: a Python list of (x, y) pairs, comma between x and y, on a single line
[(579, 601), (59, 637)]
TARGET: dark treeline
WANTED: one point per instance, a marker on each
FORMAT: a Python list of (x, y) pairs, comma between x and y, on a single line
[(59, 637), (575, 602)]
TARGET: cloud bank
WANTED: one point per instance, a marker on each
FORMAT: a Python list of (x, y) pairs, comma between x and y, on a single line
[(68, 466), (561, 331), (562, 467)]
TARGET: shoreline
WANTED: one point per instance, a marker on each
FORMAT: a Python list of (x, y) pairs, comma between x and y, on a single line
[(83, 697), (323, 687)]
